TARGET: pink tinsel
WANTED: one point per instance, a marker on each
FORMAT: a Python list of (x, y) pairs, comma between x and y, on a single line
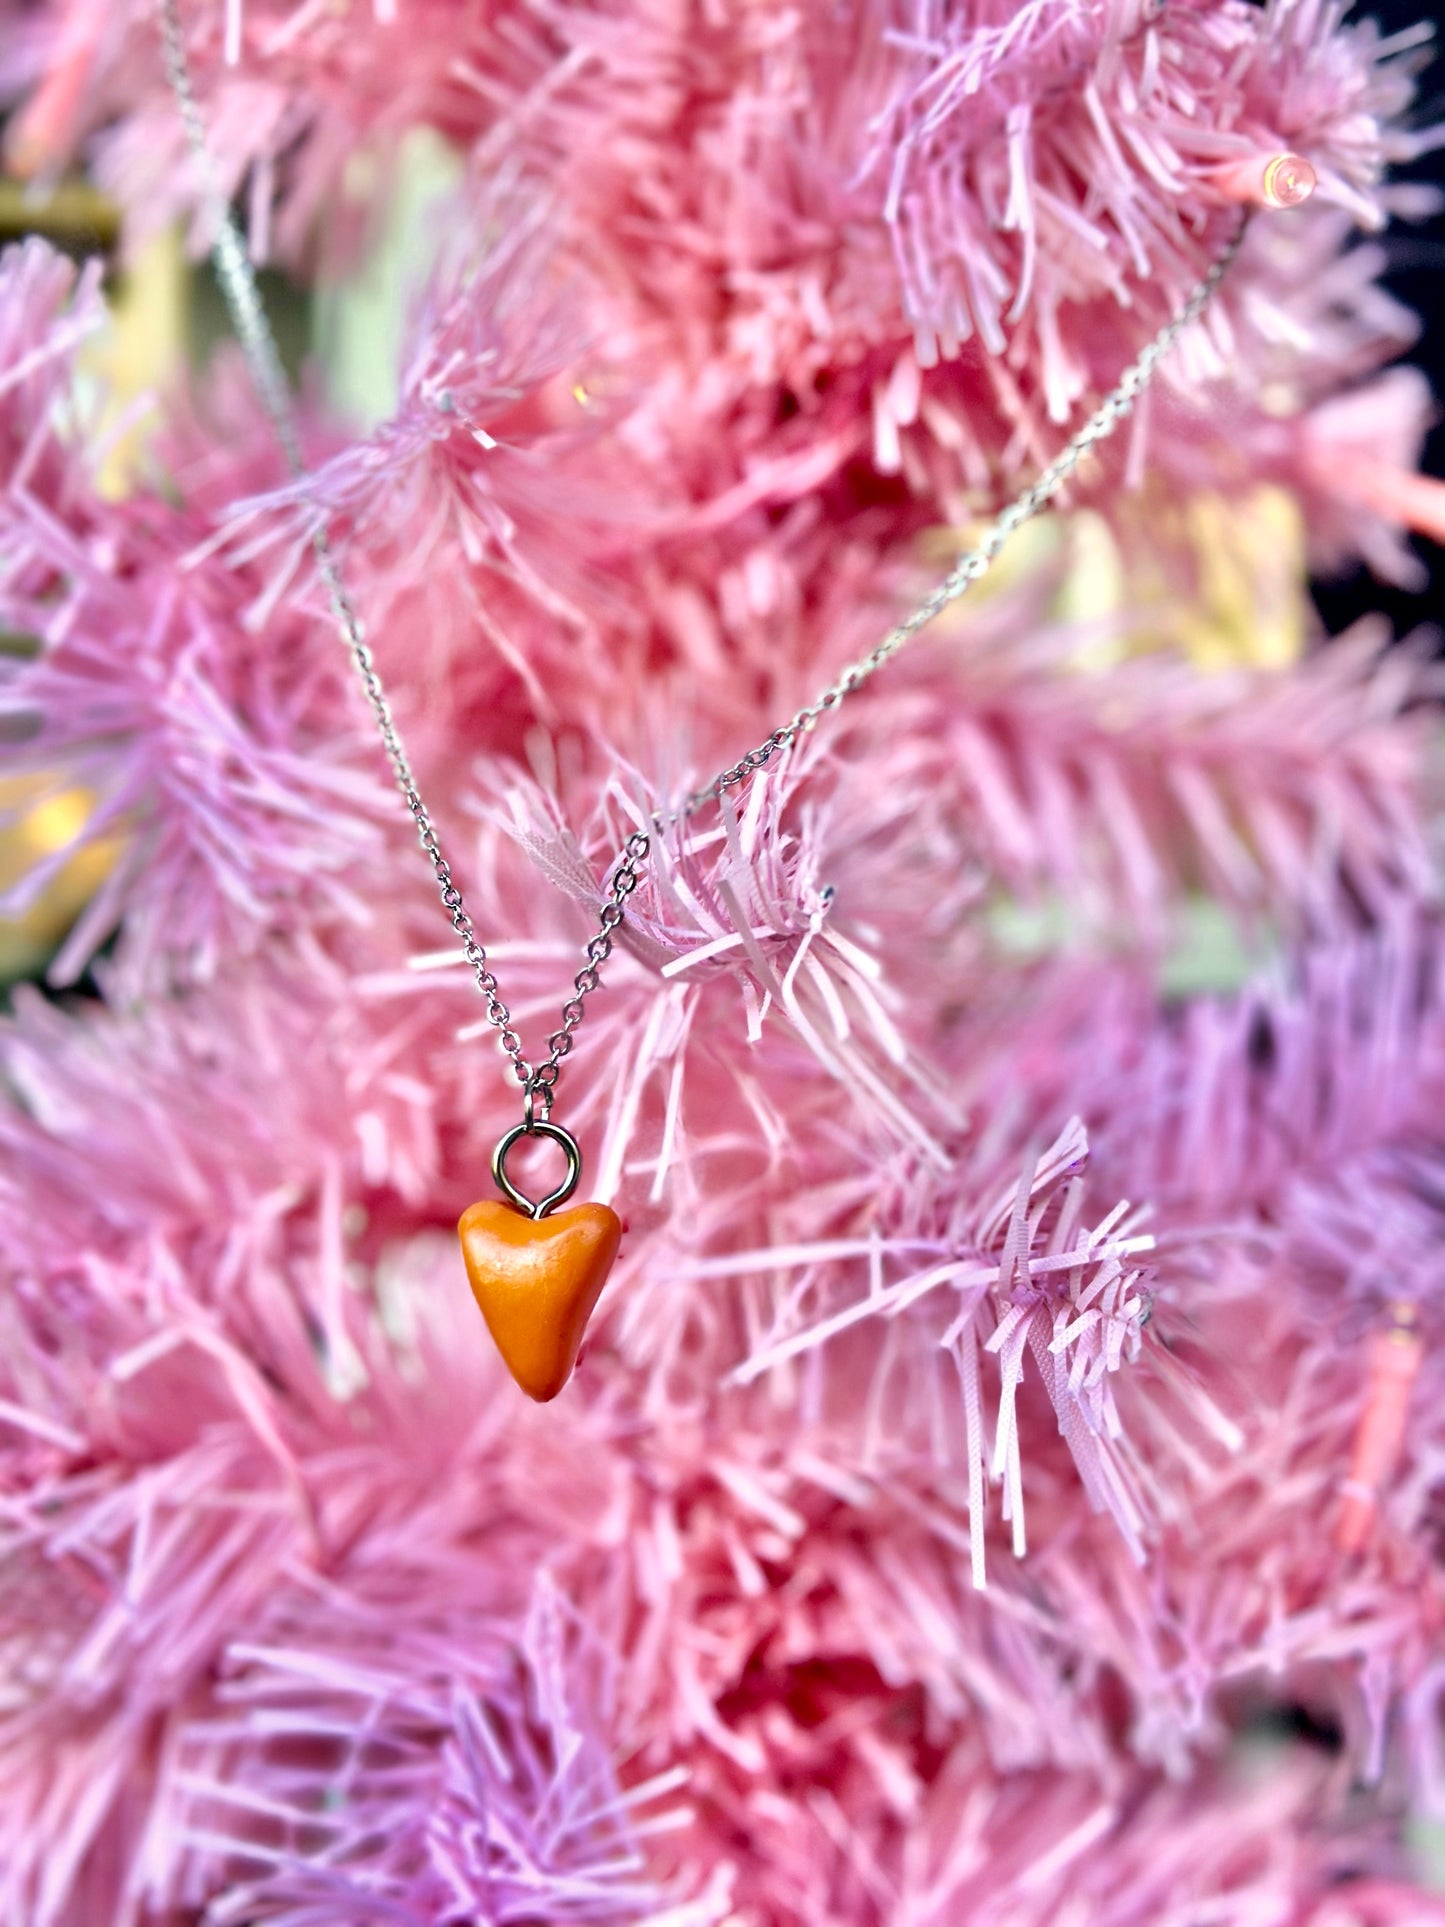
[(950, 1488)]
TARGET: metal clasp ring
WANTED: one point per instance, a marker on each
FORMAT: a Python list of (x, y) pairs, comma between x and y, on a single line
[(538, 1127)]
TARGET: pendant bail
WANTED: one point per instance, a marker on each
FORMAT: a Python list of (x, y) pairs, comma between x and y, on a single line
[(534, 1126)]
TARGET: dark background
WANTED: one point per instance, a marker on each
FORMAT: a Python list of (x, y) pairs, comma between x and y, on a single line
[(1416, 276)]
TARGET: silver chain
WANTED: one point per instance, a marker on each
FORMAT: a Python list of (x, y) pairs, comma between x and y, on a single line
[(242, 295), (978, 561)]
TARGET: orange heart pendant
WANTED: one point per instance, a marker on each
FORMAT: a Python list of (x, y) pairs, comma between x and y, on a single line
[(536, 1281), (536, 1278)]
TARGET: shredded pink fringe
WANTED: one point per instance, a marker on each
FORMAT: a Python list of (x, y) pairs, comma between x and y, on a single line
[(950, 1483)]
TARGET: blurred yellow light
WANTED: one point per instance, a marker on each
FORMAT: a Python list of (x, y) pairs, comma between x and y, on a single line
[(38, 823), (1222, 579), (140, 353)]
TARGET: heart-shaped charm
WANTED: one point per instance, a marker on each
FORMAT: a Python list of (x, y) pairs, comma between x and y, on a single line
[(536, 1281)]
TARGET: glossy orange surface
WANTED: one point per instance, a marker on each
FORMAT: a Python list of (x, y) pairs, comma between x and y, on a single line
[(536, 1281)]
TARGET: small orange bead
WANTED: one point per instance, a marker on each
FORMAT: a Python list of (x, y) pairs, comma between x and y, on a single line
[(1267, 180), (1392, 1359), (1289, 181), (536, 1281)]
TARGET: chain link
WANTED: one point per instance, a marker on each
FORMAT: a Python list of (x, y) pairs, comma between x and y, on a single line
[(978, 561), (243, 298)]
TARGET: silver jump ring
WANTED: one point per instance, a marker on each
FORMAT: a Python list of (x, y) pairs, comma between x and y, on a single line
[(538, 1128)]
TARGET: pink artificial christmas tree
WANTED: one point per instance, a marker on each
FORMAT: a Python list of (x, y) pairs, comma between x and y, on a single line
[(1022, 1368)]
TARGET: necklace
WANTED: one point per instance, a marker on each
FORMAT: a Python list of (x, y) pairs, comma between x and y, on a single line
[(537, 1276)]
